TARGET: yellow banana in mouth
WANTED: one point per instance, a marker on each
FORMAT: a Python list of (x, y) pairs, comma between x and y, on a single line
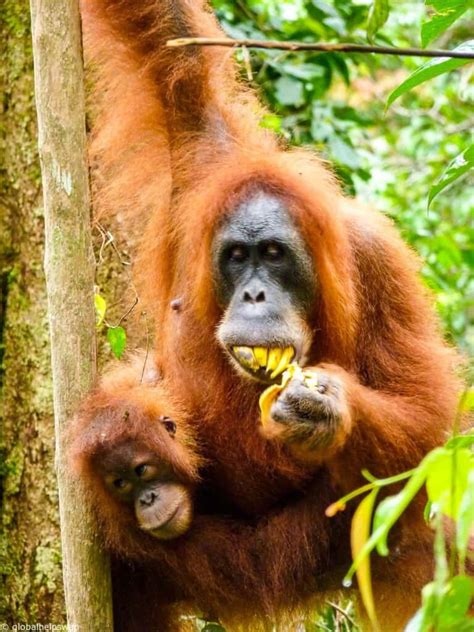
[(286, 358), (273, 361), (261, 355), (274, 356)]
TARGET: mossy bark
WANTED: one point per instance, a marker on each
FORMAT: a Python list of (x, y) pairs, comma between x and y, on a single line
[(30, 558), (69, 270)]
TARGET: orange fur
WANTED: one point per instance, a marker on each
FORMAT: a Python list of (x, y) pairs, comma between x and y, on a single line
[(176, 144)]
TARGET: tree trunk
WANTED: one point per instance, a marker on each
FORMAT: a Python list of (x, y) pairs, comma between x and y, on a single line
[(69, 270), (30, 556)]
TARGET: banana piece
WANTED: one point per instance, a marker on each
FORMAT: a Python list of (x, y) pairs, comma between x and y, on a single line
[(269, 395), (274, 357), (285, 360), (274, 361), (266, 400), (261, 355)]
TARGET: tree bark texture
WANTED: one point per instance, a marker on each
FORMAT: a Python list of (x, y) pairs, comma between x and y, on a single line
[(30, 556), (69, 268)]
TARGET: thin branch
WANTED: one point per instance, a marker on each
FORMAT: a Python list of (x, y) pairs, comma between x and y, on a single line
[(127, 313), (343, 612), (319, 47)]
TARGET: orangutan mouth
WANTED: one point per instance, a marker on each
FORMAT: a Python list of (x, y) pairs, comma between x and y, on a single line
[(263, 363)]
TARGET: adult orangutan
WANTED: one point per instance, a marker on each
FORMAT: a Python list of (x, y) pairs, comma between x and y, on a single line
[(248, 256)]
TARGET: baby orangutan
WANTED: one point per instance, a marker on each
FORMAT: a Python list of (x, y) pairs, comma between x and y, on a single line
[(137, 462), (137, 478)]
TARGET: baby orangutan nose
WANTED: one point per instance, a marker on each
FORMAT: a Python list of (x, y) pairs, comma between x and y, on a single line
[(147, 498)]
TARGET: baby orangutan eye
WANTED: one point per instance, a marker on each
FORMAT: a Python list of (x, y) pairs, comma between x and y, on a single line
[(122, 485), (140, 470), (119, 485), (169, 424), (147, 472)]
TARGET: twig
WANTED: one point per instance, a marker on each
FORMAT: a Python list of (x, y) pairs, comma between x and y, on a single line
[(107, 239), (321, 47), (341, 611), (127, 313)]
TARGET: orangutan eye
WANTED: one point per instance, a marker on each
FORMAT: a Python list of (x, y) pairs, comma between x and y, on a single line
[(147, 471), (122, 486), (237, 254), (169, 425), (273, 252), (141, 470)]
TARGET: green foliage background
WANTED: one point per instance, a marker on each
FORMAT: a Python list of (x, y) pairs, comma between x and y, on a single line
[(336, 103)]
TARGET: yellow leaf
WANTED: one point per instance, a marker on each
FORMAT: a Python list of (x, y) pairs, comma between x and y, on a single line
[(360, 532), (100, 308)]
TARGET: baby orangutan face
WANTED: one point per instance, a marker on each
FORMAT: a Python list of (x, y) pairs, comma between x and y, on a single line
[(137, 477)]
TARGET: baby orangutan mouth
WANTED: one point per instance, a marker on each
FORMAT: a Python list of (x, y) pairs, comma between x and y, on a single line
[(263, 363), (164, 512)]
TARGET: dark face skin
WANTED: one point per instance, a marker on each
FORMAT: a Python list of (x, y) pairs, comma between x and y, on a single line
[(265, 280), (135, 476)]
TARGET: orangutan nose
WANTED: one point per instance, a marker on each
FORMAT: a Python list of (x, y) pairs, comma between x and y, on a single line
[(147, 498)]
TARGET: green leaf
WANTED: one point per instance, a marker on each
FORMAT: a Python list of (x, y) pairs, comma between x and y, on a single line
[(461, 441), (446, 13), (100, 309), (213, 627), (378, 15), (426, 614), (117, 340), (465, 520), (457, 168), (271, 121), (468, 403), (431, 69), (383, 516), (441, 574), (343, 153), (454, 603), (447, 478), (325, 8), (305, 72), (427, 511), (289, 91)]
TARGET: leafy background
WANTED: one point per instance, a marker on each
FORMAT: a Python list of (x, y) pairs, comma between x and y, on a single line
[(336, 103)]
